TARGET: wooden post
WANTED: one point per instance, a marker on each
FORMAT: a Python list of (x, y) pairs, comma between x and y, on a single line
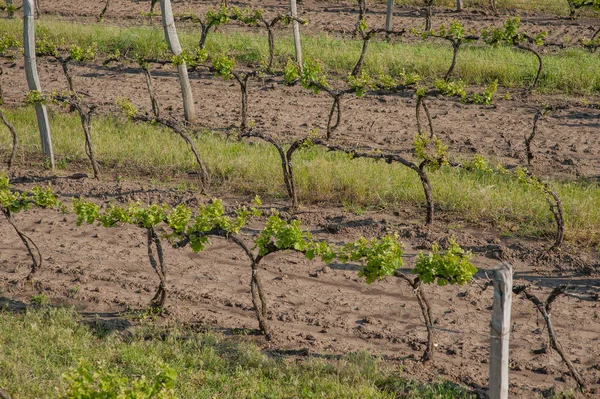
[(296, 27), (459, 5), (175, 48), (389, 15), (500, 331), (33, 80)]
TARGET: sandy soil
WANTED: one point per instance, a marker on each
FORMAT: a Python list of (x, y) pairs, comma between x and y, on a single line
[(316, 310)]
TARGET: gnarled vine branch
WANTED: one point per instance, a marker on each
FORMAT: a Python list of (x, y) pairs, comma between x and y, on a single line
[(545, 309), (286, 161)]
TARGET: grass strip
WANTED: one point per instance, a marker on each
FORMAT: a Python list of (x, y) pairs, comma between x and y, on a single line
[(37, 347), (322, 177), (569, 71), (558, 7)]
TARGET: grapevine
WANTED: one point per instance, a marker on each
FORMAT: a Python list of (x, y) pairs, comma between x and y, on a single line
[(381, 257), (12, 203)]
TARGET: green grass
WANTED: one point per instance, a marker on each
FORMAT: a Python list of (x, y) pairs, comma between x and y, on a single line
[(572, 71), (39, 346), (321, 177), (558, 7)]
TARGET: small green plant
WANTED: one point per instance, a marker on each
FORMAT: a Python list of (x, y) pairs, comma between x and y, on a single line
[(478, 163), (452, 266), (456, 35), (211, 20), (290, 73), (312, 77), (45, 47), (360, 84), (457, 89), (40, 300), (486, 97), (431, 151), (451, 89), (90, 382), (82, 54), (34, 97), (510, 35), (381, 257), (223, 66), (127, 107), (8, 42)]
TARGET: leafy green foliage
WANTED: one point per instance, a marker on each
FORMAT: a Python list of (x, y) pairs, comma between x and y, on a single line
[(113, 215), (509, 34), (313, 77), (486, 97), (179, 59), (127, 107), (408, 79), (88, 382), (223, 66), (196, 58), (9, 8), (149, 216), (4, 181), (385, 81), (14, 202), (34, 97), (179, 218), (380, 257), (455, 33), (45, 47), (217, 17), (478, 163), (86, 211), (7, 42), (43, 198), (290, 73), (212, 217), (40, 300), (193, 58), (452, 266), (454, 88), (360, 84), (280, 235), (82, 54), (431, 150), (247, 16), (362, 26)]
